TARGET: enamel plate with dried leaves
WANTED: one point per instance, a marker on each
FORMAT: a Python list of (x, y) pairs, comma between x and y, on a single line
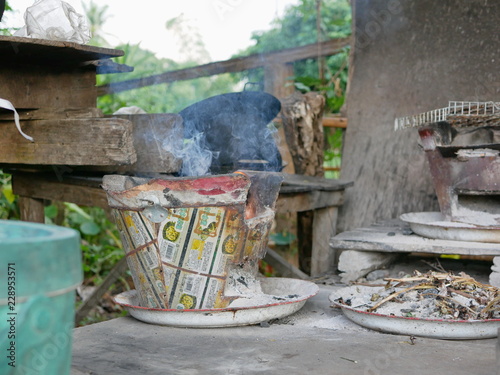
[(434, 304)]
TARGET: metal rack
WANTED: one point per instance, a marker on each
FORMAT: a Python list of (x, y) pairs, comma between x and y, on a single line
[(459, 113)]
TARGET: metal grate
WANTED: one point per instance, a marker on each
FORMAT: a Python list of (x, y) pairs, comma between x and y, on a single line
[(469, 113)]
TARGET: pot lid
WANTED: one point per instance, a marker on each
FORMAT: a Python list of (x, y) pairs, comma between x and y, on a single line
[(242, 109)]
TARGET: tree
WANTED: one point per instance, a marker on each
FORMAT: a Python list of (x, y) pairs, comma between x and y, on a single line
[(300, 25), (308, 22), (97, 16), (171, 97), (5, 31)]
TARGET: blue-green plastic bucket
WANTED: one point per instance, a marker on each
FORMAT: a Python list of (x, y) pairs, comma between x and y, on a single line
[(40, 268)]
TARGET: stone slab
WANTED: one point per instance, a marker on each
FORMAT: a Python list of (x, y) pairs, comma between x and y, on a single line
[(316, 340), (395, 236)]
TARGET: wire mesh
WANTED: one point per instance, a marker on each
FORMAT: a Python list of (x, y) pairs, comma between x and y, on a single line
[(457, 112)]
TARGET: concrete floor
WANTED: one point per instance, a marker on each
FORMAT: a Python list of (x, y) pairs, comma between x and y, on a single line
[(316, 340)]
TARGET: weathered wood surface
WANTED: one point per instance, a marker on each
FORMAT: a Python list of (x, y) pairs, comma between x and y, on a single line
[(95, 141), (31, 209), (301, 117), (64, 185), (302, 123), (39, 86), (407, 59), (238, 64), (50, 113), (277, 79), (107, 66), (283, 268), (294, 183), (37, 73), (155, 138), (60, 187), (42, 51), (324, 226), (334, 122), (390, 237), (277, 82)]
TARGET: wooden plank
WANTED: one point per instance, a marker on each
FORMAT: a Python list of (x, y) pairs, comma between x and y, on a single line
[(284, 268), (59, 187), (155, 136), (31, 209), (107, 66), (335, 122), (238, 64), (308, 201), (51, 52), (30, 86), (312, 183), (276, 77), (50, 113), (97, 141), (324, 227), (116, 272), (332, 169)]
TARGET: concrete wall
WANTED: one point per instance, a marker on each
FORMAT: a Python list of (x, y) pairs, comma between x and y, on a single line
[(410, 56)]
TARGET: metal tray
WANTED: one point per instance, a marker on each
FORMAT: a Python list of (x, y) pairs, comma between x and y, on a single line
[(434, 328), (433, 225), (227, 317)]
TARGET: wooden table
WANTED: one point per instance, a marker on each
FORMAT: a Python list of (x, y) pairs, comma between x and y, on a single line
[(297, 194), (320, 196)]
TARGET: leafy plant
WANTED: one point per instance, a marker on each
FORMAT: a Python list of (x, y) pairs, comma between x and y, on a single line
[(8, 201), (6, 31), (100, 245)]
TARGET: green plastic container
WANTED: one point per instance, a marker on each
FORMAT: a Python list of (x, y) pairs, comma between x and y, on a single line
[(40, 268)]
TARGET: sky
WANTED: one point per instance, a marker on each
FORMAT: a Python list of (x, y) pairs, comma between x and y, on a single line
[(225, 25)]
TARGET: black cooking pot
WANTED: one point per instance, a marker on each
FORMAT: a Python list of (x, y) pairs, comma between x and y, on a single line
[(235, 127)]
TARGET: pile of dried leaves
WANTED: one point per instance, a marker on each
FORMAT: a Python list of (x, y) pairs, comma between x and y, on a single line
[(432, 295)]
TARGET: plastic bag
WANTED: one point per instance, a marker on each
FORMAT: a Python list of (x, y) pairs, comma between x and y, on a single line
[(8, 105), (55, 20)]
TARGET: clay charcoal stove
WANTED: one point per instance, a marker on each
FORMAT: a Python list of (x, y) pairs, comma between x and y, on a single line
[(462, 145)]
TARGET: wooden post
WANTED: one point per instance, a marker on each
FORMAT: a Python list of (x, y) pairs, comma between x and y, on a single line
[(324, 225), (278, 79), (302, 123), (31, 209), (277, 82)]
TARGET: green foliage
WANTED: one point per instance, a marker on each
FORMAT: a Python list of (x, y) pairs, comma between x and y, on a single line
[(6, 31), (333, 151), (101, 247), (165, 97), (162, 98), (97, 16), (8, 201), (298, 27)]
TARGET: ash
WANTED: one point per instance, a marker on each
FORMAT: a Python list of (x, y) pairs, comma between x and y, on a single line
[(426, 296), (243, 285)]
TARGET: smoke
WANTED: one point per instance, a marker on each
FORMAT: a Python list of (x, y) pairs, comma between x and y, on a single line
[(195, 155)]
